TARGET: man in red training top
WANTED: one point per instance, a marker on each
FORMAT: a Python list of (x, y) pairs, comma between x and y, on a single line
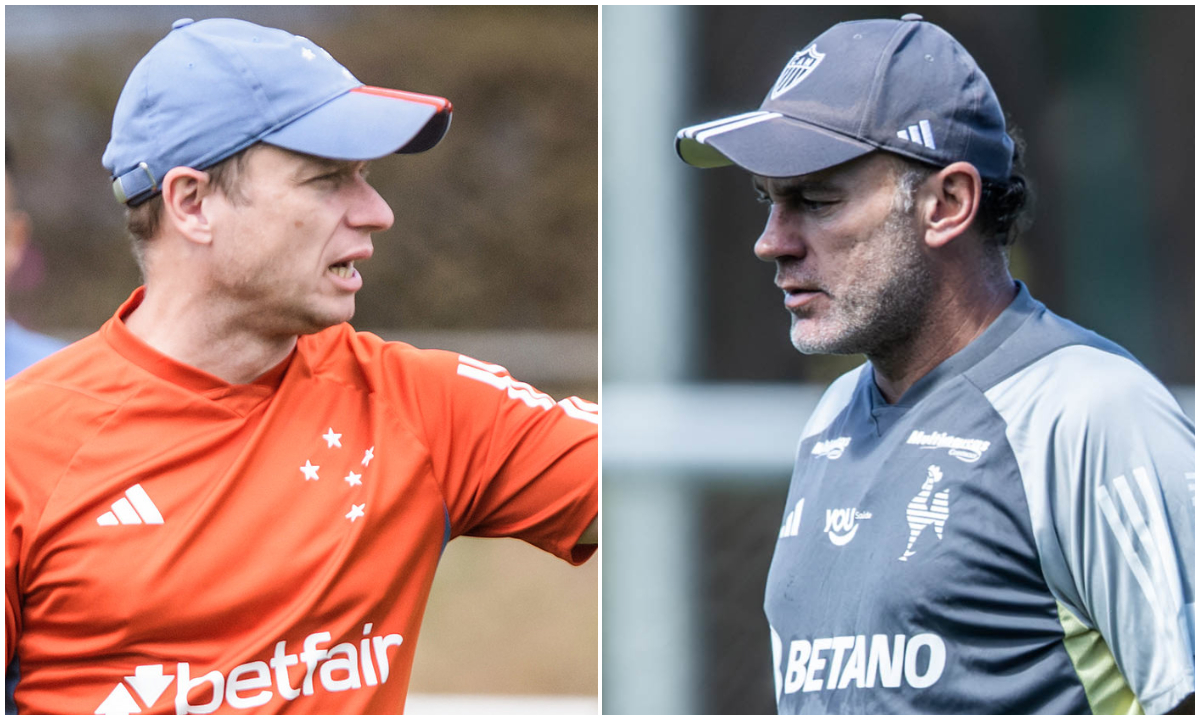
[(227, 499)]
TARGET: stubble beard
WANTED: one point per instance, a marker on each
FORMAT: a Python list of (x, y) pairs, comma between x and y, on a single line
[(880, 315), (272, 308)]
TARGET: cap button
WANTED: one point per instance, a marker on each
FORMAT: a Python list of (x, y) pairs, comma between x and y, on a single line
[(182, 22), (911, 17)]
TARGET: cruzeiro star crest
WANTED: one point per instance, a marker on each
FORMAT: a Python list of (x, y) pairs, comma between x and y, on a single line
[(353, 480)]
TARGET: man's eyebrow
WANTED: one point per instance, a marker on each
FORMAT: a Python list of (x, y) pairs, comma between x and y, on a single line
[(794, 185), (328, 164), (314, 166), (791, 186)]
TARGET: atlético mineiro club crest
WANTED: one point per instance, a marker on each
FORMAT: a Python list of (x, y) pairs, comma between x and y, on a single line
[(799, 67)]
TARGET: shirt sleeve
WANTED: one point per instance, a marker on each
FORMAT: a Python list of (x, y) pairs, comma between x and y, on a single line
[(1108, 463), (511, 460)]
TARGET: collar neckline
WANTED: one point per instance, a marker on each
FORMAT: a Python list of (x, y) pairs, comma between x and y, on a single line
[(1005, 324), (134, 349)]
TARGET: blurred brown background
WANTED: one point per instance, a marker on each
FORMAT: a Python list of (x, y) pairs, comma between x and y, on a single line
[(494, 251)]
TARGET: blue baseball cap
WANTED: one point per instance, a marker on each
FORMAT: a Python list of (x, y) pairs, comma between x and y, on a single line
[(212, 88), (905, 86)]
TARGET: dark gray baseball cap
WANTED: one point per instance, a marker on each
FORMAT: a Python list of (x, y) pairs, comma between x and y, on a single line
[(905, 86)]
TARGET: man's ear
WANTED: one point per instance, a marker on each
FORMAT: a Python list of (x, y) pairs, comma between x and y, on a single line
[(955, 193), (184, 191)]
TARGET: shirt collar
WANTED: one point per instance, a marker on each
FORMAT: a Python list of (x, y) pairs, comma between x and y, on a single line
[(1011, 318)]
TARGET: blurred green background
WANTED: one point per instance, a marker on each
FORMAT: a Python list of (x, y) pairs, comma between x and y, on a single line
[(1104, 97), (493, 253), (704, 396)]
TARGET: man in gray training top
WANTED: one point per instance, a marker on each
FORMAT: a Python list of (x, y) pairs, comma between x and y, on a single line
[(994, 514)]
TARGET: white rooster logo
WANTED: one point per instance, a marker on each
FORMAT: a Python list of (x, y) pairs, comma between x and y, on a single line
[(921, 513)]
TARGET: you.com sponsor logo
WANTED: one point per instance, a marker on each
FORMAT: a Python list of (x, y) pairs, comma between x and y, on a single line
[(841, 525)]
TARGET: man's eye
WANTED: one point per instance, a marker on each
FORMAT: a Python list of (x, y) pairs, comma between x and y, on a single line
[(798, 202), (762, 197), (339, 177)]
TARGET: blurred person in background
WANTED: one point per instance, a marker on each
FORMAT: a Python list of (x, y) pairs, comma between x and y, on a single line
[(229, 499), (22, 347), (994, 513)]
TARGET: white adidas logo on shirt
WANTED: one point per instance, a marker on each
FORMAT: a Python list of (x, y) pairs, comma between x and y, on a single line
[(135, 508), (791, 524)]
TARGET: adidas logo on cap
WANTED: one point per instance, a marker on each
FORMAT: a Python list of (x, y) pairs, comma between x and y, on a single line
[(135, 508), (921, 133)]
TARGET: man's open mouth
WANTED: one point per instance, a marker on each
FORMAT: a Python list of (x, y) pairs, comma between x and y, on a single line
[(343, 269)]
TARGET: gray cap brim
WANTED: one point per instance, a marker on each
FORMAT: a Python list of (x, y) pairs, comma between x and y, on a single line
[(767, 144)]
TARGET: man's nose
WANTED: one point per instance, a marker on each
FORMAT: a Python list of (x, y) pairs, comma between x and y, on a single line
[(369, 211), (779, 238)]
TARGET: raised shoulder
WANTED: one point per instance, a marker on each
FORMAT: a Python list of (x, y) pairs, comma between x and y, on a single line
[(1084, 385), (433, 376), (343, 355)]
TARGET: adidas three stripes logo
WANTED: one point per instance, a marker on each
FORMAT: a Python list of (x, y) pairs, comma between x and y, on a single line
[(135, 508), (921, 133)]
